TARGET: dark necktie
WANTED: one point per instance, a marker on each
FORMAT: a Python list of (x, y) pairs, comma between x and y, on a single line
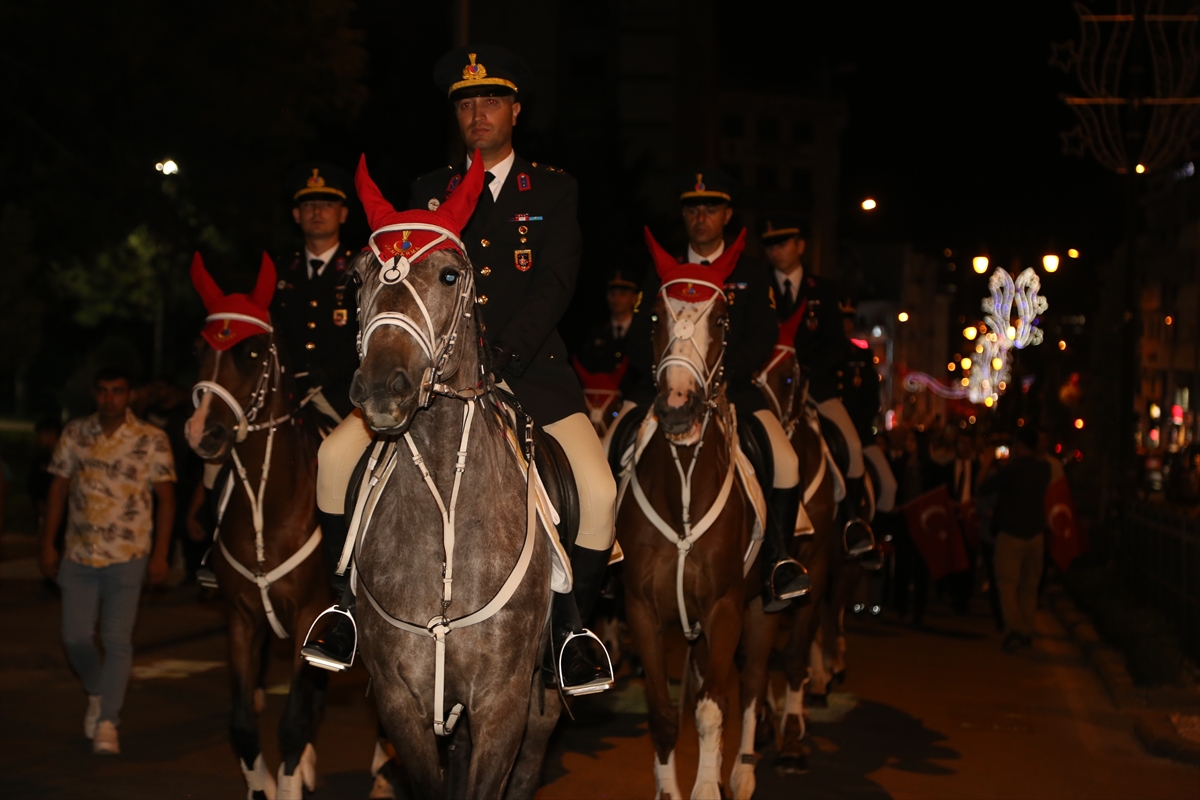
[(785, 301), (316, 264), (704, 262), (486, 202)]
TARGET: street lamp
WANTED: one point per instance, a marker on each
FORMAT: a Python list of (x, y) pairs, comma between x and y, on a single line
[(1050, 263), (868, 204), (1073, 253), (902, 316), (979, 264), (167, 167)]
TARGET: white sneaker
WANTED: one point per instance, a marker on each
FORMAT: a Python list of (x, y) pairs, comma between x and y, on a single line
[(92, 716), (106, 743)]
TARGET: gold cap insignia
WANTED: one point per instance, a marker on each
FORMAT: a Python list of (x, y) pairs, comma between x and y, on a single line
[(476, 74)]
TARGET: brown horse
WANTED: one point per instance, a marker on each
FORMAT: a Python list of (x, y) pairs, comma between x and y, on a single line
[(267, 556), (685, 523), (783, 385), (602, 394)]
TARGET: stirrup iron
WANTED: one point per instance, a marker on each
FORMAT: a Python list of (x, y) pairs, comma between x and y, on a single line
[(315, 657), (593, 688), (789, 595)]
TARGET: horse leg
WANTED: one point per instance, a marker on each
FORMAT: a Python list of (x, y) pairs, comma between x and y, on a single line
[(527, 772), (758, 636), (407, 724), (297, 729), (383, 768), (646, 632), (497, 730), (246, 638), (791, 757), (723, 629)]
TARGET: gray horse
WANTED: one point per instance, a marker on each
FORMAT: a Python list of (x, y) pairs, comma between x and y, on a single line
[(450, 535)]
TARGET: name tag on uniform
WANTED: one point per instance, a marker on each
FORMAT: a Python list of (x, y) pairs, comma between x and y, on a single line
[(523, 259), (340, 316)]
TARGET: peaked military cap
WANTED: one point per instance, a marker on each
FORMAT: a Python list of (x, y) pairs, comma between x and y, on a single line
[(847, 306), (480, 71), (621, 280), (780, 227), (707, 186), (316, 180)]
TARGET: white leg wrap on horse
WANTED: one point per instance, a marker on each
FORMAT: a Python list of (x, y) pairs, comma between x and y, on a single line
[(709, 724), (741, 780), (793, 706), (339, 454), (665, 782), (787, 463), (593, 478), (291, 787), (833, 410), (308, 767), (258, 779)]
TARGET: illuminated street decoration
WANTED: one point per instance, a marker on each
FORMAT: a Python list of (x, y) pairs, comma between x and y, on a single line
[(990, 374)]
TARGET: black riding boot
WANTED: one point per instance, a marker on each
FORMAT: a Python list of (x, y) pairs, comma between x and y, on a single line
[(582, 665), (334, 648), (784, 578), (857, 536)]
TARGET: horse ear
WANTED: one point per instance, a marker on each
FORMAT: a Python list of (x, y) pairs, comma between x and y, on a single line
[(376, 206), (460, 205), (264, 287), (726, 262), (663, 260), (210, 293)]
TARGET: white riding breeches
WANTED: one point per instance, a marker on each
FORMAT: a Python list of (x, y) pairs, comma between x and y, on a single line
[(339, 454), (885, 493), (787, 463), (342, 449), (833, 410)]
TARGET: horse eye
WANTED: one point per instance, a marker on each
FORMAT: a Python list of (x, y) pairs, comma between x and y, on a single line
[(448, 277)]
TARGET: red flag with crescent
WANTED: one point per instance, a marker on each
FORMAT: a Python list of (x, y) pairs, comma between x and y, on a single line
[(1067, 539), (933, 524)]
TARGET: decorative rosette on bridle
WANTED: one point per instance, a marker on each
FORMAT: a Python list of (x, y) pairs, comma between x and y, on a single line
[(234, 317)]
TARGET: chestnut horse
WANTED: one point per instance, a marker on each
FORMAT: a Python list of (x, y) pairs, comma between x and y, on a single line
[(602, 394), (267, 557), (685, 523), (451, 566)]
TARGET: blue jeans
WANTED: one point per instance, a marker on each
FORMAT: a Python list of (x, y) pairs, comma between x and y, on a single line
[(110, 593)]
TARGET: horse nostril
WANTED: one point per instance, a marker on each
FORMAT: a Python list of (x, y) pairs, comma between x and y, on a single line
[(400, 382), (216, 432), (358, 388)]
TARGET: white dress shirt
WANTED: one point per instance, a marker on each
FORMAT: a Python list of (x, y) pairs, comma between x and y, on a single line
[(695, 258), (324, 258), (794, 278), (499, 173), (963, 478)]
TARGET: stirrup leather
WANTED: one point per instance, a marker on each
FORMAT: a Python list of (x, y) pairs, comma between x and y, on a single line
[(594, 688), (790, 595), (319, 660)]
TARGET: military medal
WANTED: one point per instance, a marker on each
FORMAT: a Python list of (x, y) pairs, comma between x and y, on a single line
[(340, 316), (523, 259)]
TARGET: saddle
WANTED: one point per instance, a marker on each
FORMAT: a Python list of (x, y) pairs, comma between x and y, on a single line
[(753, 438), (836, 443)]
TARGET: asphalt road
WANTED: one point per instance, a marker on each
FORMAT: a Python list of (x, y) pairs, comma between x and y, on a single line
[(937, 713)]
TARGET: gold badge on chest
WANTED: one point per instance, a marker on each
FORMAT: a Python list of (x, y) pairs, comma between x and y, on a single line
[(340, 316), (523, 259)]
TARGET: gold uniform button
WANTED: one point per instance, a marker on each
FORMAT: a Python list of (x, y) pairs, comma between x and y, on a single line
[(483, 299), (522, 240), (485, 242), (312, 324), (312, 303), (523, 230), (310, 346), (485, 271)]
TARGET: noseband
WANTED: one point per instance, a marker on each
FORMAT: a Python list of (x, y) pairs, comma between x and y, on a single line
[(437, 348), (268, 381), (683, 330)]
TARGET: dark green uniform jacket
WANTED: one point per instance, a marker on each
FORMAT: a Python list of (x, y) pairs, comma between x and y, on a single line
[(525, 250), (318, 321)]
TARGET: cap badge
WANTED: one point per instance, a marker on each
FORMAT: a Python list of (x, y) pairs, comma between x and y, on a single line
[(473, 71), (315, 181), (699, 182)]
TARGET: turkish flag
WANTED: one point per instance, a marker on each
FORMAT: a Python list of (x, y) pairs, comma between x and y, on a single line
[(1067, 539), (933, 524), (970, 524)]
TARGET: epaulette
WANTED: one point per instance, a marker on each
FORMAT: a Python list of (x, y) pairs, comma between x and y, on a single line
[(548, 168)]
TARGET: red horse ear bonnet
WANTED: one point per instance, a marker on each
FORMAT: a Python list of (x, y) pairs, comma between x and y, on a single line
[(232, 318), (715, 273)]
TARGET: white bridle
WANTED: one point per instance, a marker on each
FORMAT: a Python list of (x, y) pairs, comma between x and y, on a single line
[(683, 330), (437, 348), (784, 414), (268, 380)]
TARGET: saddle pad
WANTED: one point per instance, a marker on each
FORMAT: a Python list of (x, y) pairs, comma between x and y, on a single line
[(839, 481), (562, 580)]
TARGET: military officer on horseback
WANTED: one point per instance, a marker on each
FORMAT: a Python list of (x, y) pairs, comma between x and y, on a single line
[(313, 305), (821, 348), (706, 200), (524, 244)]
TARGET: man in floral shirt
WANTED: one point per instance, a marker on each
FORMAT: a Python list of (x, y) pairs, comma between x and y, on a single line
[(107, 465)]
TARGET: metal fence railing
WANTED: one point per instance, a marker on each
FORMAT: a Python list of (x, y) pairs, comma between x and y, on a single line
[(1160, 556)]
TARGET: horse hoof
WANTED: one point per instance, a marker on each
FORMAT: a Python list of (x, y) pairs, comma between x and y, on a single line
[(791, 763), (818, 701), (382, 789)]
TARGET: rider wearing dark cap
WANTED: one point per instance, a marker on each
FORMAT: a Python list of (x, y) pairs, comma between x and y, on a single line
[(605, 345), (821, 349), (524, 244), (706, 199)]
